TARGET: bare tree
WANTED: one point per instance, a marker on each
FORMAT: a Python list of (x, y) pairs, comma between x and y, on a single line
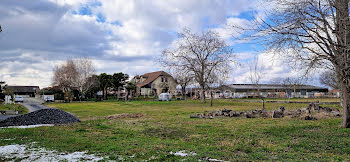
[(255, 75), (85, 69), (290, 84), (329, 79), (315, 33), (65, 75), (74, 74), (183, 78), (201, 54), (215, 81)]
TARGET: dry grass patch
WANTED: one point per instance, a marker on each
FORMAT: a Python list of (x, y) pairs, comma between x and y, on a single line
[(125, 115)]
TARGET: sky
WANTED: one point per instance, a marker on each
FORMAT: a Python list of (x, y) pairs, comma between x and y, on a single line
[(121, 36)]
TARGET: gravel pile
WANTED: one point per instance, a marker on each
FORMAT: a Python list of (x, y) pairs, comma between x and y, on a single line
[(44, 116)]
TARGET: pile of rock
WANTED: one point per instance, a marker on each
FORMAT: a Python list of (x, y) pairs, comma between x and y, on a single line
[(313, 112), (44, 116), (229, 113)]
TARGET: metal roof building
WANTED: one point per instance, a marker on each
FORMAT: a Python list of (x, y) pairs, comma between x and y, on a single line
[(24, 90), (273, 87), (273, 90)]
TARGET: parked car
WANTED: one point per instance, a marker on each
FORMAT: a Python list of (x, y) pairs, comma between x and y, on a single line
[(164, 97), (18, 99), (49, 98)]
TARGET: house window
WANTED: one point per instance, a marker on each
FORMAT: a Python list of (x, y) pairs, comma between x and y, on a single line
[(164, 79), (303, 92)]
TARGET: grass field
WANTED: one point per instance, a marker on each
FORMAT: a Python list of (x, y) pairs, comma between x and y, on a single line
[(166, 127), (21, 109)]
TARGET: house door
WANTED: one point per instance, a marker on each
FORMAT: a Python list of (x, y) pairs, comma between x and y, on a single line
[(165, 90)]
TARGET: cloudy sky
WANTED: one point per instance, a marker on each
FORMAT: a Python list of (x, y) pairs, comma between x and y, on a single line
[(118, 35)]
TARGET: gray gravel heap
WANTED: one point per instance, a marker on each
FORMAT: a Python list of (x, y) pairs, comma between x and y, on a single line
[(44, 116)]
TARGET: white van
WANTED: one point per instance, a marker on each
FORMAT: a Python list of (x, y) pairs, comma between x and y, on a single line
[(19, 99), (49, 98), (164, 97)]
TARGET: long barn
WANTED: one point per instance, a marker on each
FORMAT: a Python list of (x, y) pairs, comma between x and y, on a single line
[(272, 91), (25, 91)]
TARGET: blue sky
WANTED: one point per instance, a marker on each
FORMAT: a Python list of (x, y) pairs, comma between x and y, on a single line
[(118, 35)]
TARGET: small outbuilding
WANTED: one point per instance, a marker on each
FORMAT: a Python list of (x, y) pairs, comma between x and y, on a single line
[(27, 91)]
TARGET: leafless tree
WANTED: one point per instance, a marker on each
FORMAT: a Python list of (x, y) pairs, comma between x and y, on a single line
[(215, 81), (329, 78), (255, 76), (290, 83), (183, 78), (201, 54), (74, 74), (315, 33), (65, 75), (85, 69)]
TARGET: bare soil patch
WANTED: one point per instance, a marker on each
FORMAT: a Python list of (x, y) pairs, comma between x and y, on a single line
[(125, 115)]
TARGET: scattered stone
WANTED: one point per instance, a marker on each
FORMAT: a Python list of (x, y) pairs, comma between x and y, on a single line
[(305, 110), (304, 113), (327, 109), (293, 114), (314, 106), (278, 113), (308, 117), (250, 115), (44, 116), (336, 113), (196, 116)]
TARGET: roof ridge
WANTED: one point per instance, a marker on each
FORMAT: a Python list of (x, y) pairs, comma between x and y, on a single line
[(151, 77)]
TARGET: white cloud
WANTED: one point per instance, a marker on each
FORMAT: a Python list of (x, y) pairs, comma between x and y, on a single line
[(38, 35), (272, 66)]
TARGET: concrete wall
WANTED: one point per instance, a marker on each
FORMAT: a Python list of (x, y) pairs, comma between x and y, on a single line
[(159, 86), (146, 91)]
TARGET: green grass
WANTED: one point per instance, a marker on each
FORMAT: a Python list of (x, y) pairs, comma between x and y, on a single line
[(21, 109), (166, 127)]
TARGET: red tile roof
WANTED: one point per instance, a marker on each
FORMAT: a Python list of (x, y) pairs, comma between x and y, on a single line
[(150, 77)]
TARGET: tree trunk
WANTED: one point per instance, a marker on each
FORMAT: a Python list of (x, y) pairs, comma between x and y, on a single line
[(342, 61), (211, 99), (263, 103), (346, 104), (202, 94), (184, 92), (126, 96), (105, 94), (80, 93)]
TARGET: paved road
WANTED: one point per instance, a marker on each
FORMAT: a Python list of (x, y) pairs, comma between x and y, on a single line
[(32, 104)]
